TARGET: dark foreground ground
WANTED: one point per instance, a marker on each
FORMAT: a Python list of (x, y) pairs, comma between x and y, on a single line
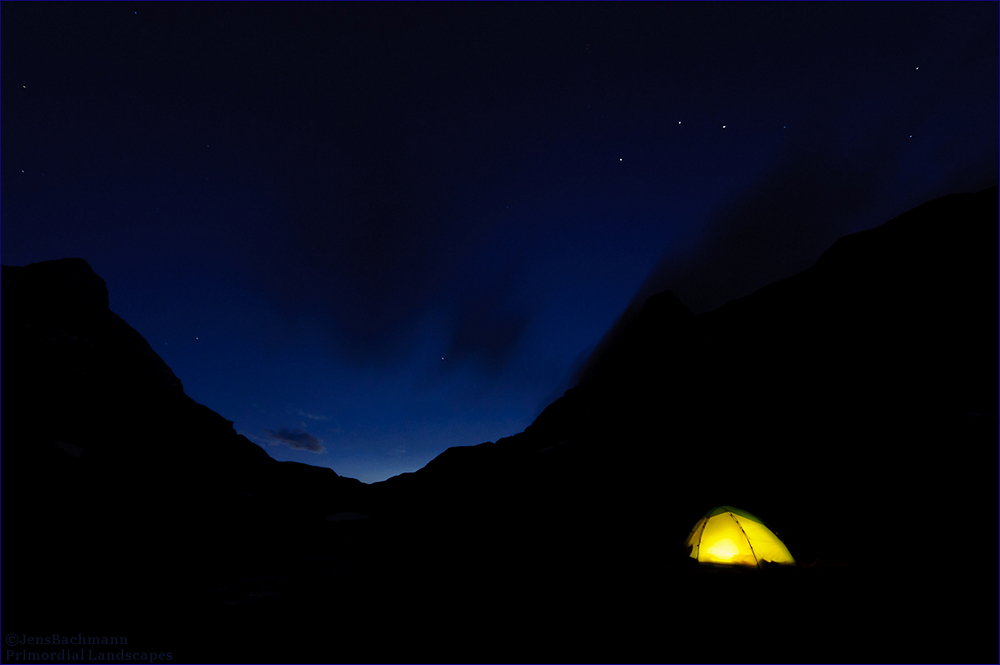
[(469, 608)]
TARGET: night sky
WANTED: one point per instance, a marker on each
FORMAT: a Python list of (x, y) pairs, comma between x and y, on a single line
[(368, 232)]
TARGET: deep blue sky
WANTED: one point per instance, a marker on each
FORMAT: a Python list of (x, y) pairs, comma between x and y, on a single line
[(381, 230)]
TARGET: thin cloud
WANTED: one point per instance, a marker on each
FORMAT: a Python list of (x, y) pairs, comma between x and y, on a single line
[(295, 438), (312, 416)]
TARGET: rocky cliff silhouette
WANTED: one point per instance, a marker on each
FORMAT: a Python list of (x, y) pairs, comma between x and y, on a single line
[(861, 382), (853, 406), (102, 512)]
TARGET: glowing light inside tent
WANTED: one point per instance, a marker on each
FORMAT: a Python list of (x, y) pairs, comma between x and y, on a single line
[(725, 549)]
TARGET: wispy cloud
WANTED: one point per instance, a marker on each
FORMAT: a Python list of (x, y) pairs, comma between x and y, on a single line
[(295, 438), (311, 416)]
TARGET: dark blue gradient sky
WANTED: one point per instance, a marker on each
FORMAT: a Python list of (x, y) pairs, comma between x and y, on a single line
[(366, 233)]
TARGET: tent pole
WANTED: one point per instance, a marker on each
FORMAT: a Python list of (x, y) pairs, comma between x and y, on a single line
[(756, 559)]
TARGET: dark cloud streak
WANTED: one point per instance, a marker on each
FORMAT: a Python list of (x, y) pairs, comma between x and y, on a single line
[(295, 438), (488, 324)]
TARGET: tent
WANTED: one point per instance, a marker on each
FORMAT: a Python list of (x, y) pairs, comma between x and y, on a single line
[(730, 536)]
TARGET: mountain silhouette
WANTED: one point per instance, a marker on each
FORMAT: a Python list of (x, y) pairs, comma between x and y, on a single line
[(853, 406), (834, 377)]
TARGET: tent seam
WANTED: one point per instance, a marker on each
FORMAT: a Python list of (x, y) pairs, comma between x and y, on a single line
[(756, 559)]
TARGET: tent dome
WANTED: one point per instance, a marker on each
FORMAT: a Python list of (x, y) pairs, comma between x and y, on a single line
[(730, 536)]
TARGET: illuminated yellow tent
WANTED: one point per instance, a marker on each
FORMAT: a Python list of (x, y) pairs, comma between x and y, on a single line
[(730, 536)]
